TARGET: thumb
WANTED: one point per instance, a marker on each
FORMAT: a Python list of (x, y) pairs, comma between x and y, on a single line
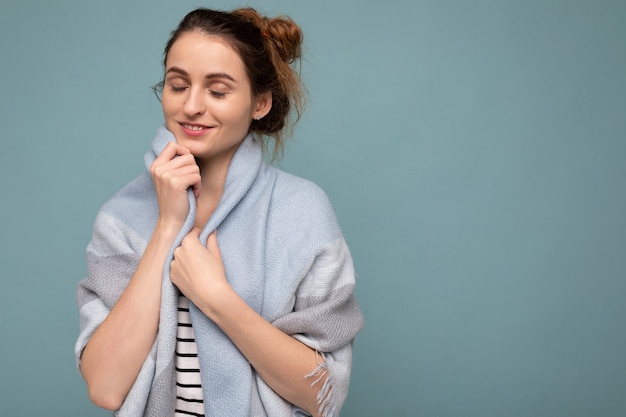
[(194, 232), (211, 241)]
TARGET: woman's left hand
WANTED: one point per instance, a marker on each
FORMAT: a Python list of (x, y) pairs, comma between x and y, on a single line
[(280, 360), (197, 270)]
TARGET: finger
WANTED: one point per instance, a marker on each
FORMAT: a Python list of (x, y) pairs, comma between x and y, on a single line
[(184, 171), (182, 150), (195, 232), (192, 175), (171, 150), (167, 153), (196, 188), (181, 182), (211, 242), (191, 238), (177, 148), (177, 161)]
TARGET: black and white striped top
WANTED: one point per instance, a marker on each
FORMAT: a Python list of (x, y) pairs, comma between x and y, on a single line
[(189, 398)]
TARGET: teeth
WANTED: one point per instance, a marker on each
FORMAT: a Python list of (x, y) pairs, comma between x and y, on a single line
[(192, 127)]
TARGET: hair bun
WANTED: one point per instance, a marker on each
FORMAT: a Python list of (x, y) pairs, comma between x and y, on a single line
[(281, 33), (286, 37)]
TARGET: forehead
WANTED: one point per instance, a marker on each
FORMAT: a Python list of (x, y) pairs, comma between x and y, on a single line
[(200, 54)]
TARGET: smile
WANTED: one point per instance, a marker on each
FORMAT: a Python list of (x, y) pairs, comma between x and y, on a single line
[(193, 127), (194, 130)]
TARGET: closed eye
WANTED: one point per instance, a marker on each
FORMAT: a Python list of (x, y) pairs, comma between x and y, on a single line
[(217, 94)]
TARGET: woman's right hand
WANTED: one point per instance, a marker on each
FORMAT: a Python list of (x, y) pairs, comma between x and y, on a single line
[(117, 349), (173, 172)]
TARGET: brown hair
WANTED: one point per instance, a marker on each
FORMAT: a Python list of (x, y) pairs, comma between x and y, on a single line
[(269, 48)]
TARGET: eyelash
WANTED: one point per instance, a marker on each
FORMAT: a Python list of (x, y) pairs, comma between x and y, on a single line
[(216, 94)]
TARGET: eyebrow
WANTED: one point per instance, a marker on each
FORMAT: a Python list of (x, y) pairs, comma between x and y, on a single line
[(209, 76)]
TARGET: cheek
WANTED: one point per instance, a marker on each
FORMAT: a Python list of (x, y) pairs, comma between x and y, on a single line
[(169, 112), (237, 112), (167, 105)]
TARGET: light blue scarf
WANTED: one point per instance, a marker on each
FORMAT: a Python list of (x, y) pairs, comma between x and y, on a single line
[(283, 253)]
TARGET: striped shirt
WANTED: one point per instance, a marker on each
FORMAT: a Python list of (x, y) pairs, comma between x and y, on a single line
[(189, 398)]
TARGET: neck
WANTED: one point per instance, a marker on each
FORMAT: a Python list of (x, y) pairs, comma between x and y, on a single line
[(213, 174)]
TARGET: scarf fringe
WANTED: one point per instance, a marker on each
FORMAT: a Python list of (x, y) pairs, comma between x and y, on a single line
[(326, 401)]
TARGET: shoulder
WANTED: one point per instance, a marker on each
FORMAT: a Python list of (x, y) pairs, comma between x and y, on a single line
[(303, 207), (293, 188)]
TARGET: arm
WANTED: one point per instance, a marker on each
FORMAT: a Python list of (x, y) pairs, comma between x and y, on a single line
[(115, 353), (118, 348), (278, 358)]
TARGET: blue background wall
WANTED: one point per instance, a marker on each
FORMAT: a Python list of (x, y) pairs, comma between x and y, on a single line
[(474, 152)]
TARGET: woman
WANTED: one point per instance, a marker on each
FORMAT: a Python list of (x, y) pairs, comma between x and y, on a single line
[(219, 285)]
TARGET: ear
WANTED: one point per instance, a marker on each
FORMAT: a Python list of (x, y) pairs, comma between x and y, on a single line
[(262, 106)]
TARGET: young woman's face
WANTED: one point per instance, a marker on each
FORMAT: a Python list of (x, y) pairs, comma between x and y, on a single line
[(207, 99)]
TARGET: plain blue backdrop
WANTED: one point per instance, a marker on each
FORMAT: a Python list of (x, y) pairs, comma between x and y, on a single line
[(474, 153)]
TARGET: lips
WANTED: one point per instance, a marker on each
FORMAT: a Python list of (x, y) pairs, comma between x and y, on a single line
[(193, 129)]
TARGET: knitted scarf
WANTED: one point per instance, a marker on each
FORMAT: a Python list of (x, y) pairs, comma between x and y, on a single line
[(283, 253)]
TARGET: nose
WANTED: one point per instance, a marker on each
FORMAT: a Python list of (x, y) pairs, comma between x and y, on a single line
[(194, 103)]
